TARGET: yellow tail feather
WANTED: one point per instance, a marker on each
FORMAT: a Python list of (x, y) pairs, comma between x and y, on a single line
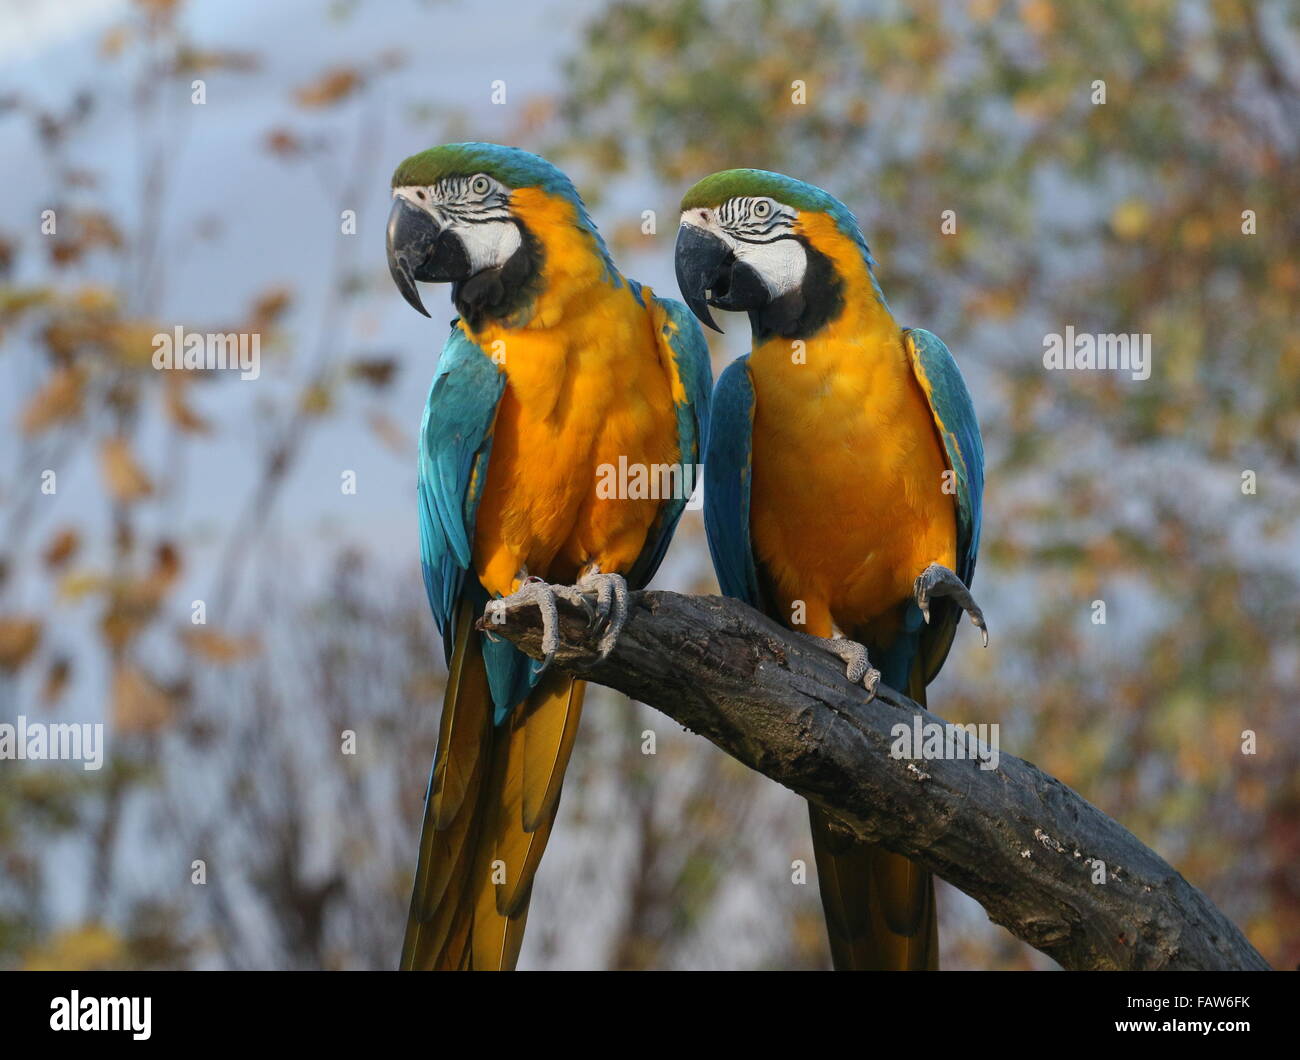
[(493, 799), (880, 909)]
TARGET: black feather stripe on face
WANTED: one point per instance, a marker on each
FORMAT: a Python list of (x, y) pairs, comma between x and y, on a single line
[(740, 217), (503, 294), (455, 200), (801, 313)]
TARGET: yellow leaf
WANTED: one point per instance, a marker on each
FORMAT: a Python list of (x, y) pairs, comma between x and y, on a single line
[(125, 478), (132, 341), (1130, 219), (112, 43), (331, 87), (76, 584), (89, 947), (59, 399), (316, 400), (94, 298), (219, 647), (181, 414)]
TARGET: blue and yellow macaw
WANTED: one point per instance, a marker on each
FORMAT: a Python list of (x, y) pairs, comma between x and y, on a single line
[(557, 367), (843, 481)]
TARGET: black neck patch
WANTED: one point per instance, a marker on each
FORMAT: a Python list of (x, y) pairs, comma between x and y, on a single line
[(505, 291), (801, 313)]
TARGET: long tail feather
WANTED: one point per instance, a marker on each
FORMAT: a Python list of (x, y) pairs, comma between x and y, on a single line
[(492, 800), (880, 909)]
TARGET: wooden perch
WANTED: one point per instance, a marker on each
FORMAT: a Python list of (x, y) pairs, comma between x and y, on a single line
[(1016, 840)]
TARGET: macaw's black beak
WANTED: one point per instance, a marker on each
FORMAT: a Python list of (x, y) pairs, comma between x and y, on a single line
[(703, 262), (418, 249), (709, 275)]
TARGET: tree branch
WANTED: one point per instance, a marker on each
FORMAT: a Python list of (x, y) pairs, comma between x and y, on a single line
[(1016, 840)]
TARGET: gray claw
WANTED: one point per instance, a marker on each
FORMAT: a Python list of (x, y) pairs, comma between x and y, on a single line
[(533, 591), (937, 580), (611, 605), (857, 667)]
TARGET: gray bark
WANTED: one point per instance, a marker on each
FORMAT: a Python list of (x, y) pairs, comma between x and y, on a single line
[(1016, 840)]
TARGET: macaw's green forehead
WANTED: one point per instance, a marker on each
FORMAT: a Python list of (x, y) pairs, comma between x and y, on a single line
[(717, 188), (512, 166)]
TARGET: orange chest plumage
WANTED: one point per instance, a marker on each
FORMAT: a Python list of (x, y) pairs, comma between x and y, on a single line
[(588, 394), (848, 499)]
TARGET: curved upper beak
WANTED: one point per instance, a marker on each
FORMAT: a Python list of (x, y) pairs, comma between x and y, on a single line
[(412, 235), (703, 264), (420, 249)]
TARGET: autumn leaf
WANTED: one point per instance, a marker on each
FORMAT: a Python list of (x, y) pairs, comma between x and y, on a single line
[(125, 479), (62, 547), (1130, 219), (166, 567), (88, 947), (75, 585), (269, 307), (94, 298), (59, 399), (56, 680), (132, 341), (283, 142), (112, 43), (18, 639), (377, 371), (127, 613), (181, 414), (140, 704), (331, 87), (190, 61), (316, 400), (218, 647)]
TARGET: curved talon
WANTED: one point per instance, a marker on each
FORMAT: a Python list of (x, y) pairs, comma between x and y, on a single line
[(857, 667), (938, 580), (611, 606), (872, 683), (533, 591)]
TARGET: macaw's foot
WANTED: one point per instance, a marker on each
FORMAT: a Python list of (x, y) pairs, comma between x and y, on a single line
[(543, 595), (610, 614), (940, 581), (857, 666)]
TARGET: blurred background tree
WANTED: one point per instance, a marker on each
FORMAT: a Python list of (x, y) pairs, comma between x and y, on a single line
[(225, 739)]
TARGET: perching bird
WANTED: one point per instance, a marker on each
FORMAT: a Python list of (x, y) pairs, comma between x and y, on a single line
[(557, 368), (843, 482)]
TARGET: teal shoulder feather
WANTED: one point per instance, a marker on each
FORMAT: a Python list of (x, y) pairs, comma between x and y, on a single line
[(954, 416), (455, 446)]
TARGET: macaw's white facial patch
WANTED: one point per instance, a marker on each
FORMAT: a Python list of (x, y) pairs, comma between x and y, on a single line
[(476, 209), (780, 264), (760, 232), (489, 244)]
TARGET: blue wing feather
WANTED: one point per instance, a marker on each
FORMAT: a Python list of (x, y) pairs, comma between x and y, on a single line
[(954, 416), (455, 446), (727, 477), (455, 443)]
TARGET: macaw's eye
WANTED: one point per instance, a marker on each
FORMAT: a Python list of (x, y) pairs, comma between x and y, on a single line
[(762, 208), (421, 195), (480, 185)]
